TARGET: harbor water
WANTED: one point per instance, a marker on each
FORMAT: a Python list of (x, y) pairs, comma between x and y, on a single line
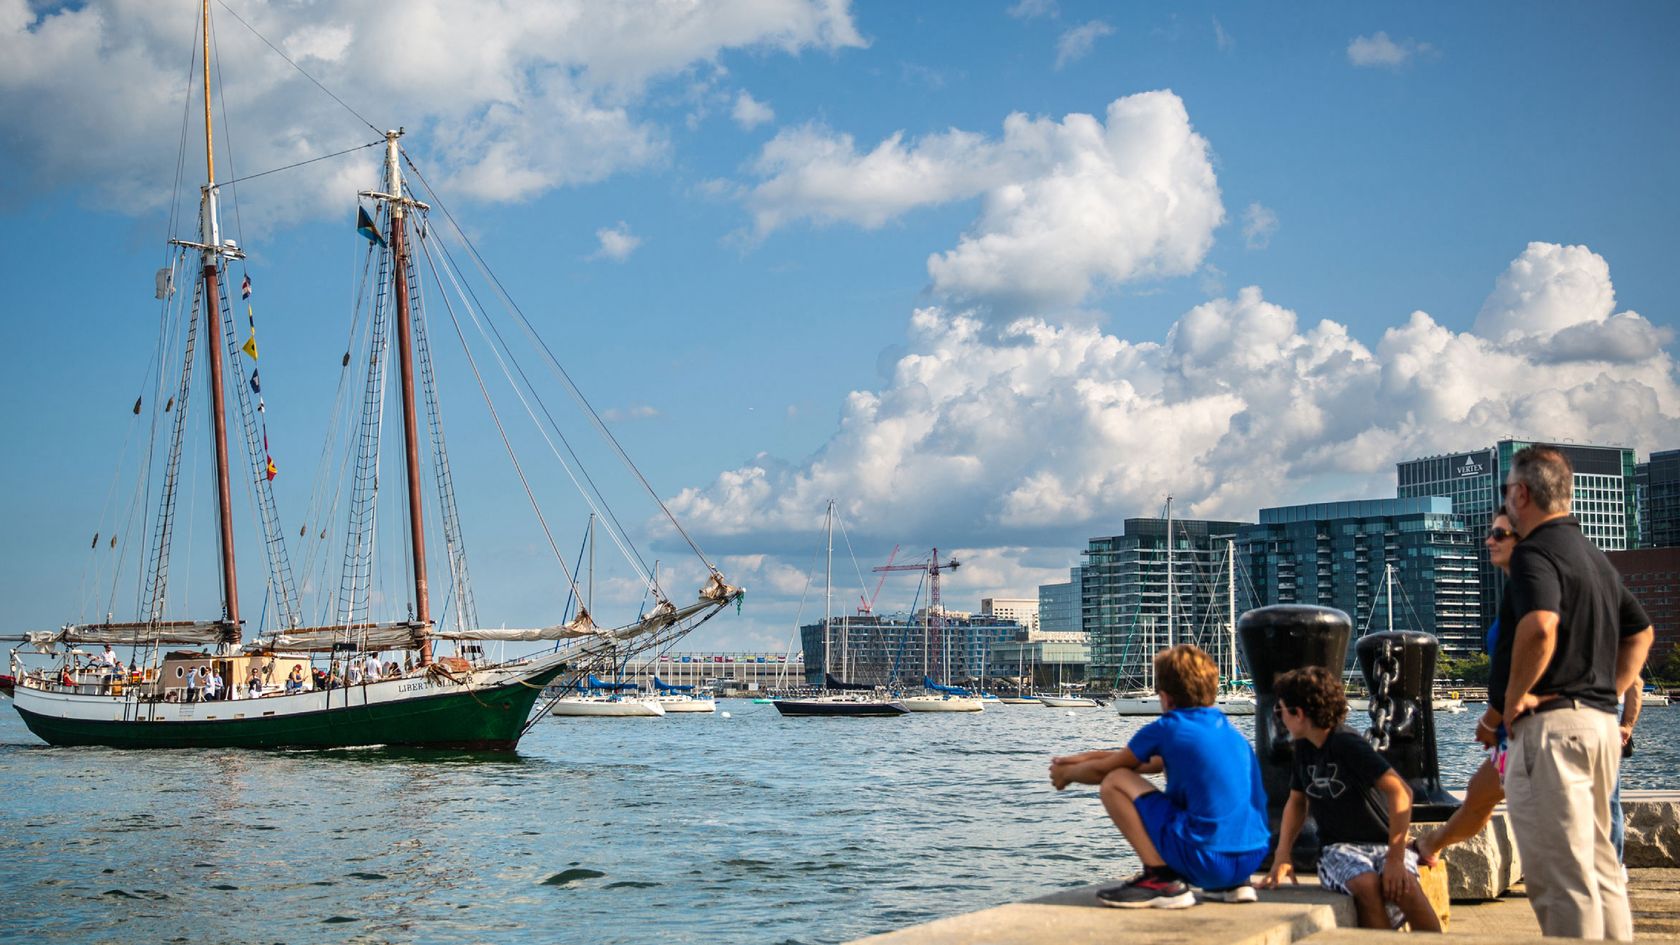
[(696, 828)]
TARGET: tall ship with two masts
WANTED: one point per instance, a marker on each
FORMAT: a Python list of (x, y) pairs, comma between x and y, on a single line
[(350, 679)]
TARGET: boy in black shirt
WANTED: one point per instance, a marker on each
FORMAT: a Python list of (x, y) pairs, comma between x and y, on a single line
[(1361, 806)]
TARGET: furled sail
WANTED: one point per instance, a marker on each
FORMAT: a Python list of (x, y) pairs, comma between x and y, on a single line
[(373, 637), (660, 617), (188, 632)]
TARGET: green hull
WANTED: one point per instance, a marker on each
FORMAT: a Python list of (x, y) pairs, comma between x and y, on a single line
[(481, 720)]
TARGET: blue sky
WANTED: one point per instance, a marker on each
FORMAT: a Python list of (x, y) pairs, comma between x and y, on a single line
[(1192, 262)]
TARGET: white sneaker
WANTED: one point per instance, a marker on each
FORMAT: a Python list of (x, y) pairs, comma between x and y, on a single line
[(1243, 893)]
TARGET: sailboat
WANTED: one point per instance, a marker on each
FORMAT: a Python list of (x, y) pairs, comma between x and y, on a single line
[(419, 698), (837, 697), (597, 699)]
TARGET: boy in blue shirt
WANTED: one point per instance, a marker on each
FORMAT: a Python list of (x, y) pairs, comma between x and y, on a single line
[(1208, 828)]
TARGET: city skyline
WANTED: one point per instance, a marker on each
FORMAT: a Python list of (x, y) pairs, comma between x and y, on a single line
[(995, 278)]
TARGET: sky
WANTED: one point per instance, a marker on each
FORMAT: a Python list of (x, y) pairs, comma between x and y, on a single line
[(991, 277)]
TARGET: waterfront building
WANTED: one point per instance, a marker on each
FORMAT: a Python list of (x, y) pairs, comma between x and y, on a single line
[(1604, 497), (1046, 660), (1058, 604), (1653, 575), (1338, 554), (897, 649), (1658, 490), (1123, 596), (720, 671), (1022, 610)]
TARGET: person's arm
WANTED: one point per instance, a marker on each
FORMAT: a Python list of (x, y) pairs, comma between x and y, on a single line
[(1398, 795), (1633, 698), (1294, 815), (1091, 767), (1531, 653), (1631, 651)]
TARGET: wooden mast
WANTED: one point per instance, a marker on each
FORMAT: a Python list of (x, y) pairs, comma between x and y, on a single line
[(211, 250), (405, 362)]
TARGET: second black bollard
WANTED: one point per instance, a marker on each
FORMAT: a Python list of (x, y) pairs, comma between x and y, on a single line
[(1274, 641), (1399, 669)]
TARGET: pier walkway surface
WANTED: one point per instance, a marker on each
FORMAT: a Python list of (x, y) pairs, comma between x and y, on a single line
[(1305, 914)]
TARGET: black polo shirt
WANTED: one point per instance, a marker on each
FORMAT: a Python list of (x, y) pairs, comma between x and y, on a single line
[(1556, 568)]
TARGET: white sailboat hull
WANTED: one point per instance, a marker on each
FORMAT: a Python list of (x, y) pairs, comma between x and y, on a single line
[(943, 703), (678, 704), (587, 706), (1069, 702)]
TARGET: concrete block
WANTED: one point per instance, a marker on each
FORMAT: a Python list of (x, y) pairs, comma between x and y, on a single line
[(1485, 865), (1652, 819)]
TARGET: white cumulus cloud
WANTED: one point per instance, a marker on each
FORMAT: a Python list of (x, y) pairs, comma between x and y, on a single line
[(749, 112), (1378, 51), (510, 99), (1259, 223), (1077, 43), (1038, 435), (617, 242), (1066, 206)]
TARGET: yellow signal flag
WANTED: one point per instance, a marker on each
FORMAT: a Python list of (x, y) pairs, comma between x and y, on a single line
[(250, 347)]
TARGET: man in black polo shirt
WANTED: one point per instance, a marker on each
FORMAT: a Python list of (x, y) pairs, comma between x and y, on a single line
[(1580, 639)]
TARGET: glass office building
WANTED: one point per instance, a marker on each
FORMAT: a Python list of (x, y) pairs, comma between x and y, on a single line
[(1659, 500), (1604, 496), (1058, 604), (1360, 556)]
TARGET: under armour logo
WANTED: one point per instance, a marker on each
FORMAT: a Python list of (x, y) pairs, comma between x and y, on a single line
[(1322, 781)]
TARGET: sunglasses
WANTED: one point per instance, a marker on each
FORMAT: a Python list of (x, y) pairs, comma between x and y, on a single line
[(1500, 534), (1505, 487)]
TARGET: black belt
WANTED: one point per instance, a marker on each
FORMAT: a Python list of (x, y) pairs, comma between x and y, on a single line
[(1552, 705)]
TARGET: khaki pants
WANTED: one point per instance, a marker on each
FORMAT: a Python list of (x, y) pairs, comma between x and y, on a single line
[(1562, 768)]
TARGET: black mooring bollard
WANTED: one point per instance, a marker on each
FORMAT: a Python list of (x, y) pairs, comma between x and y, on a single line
[(1399, 668), (1276, 640)]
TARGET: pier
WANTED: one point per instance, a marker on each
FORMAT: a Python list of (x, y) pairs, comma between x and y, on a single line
[(1312, 915)]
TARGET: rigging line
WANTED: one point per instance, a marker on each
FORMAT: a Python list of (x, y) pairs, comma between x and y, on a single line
[(621, 538), (472, 313), (300, 69), (862, 587), (313, 160), (508, 445), (577, 393)]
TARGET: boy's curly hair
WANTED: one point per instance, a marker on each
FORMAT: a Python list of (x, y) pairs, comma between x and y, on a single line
[(1187, 675), (1315, 691)]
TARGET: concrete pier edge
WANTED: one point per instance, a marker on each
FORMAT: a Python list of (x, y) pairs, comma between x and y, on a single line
[(1310, 914)]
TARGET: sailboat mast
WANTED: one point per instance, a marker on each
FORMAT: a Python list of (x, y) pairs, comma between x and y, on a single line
[(1231, 606), (1388, 587), (405, 362), (1169, 573), (828, 593), (211, 251)]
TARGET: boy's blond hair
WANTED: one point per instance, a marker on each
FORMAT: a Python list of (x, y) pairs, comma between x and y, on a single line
[(1187, 675)]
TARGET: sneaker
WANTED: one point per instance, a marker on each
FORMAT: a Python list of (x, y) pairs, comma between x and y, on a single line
[(1243, 893), (1149, 892)]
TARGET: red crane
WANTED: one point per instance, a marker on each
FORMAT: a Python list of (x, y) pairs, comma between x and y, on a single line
[(866, 605), (936, 613)]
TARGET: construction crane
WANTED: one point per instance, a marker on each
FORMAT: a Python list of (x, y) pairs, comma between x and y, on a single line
[(936, 613), (866, 605)]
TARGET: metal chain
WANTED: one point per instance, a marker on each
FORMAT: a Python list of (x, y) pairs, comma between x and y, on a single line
[(1385, 670)]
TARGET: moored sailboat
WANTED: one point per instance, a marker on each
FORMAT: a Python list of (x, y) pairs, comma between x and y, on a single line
[(420, 699)]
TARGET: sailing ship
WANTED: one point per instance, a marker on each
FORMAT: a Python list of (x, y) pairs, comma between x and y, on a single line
[(837, 697), (324, 685)]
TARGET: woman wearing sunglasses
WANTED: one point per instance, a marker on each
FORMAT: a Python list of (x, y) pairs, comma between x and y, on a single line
[(1487, 785)]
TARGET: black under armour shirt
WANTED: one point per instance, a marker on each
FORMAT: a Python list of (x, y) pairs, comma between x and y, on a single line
[(1556, 568)]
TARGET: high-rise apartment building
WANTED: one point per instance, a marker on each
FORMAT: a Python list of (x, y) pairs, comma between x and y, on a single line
[(1022, 610), (1124, 607), (1659, 500), (1653, 576), (1604, 497), (1405, 563), (1058, 604)]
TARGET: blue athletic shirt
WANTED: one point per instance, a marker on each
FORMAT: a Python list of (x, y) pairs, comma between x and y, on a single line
[(1212, 775)]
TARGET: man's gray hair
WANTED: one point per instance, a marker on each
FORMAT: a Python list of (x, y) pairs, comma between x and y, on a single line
[(1547, 474)]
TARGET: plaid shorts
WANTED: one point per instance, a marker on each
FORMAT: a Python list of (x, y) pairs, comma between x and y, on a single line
[(1339, 863)]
